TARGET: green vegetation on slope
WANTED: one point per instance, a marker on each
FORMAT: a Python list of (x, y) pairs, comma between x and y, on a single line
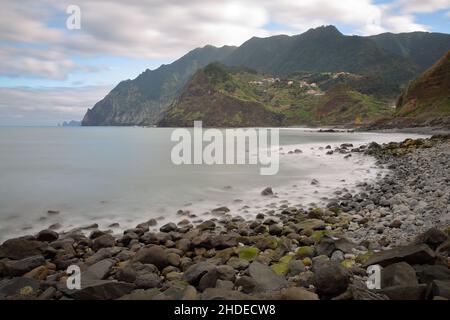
[(231, 96), (428, 96), (385, 64)]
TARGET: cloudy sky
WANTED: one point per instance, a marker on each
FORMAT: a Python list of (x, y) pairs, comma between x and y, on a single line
[(49, 73)]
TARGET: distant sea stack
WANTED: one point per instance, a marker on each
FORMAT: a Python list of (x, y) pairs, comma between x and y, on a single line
[(72, 123)]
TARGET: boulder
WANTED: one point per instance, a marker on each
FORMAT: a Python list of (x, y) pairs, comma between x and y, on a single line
[(328, 245), (126, 274), (275, 229), (267, 191), (99, 270), (440, 288), (47, 235), (296, 293), (141, 294), (246, 284), (20, 267), (195, 272), (432, 237), (98, 290), (398, 274), (104, 241), (221, 210), (427, 273), (168, 227), (265, 278), (412, 254), (206, 225), (295, 267), (311, 224), (98, 256), (147, 281), (224, 294), (237, 263), (413, 292), (20, 248), (18, 286), (330, 279), (223, 241), (183, 245), (155, 255)]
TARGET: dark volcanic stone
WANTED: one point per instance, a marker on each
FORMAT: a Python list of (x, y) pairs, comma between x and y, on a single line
[(104, 241), (155, 255), (415, 292), (223, 241), (47, 235), (412, 254), (20, 267), (168, 227), (398, 274), (330, 279), (15, 285), (267, 191), (195, 272), (427, 273), (441, 288), (433, 237), (99, 290), (20, 248), (265, 278), (99, 270)]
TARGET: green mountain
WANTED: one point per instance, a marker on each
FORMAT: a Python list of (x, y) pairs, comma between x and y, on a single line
[(224, 96), (422, 48), (428, 96), (323, 49), (219, 98), (140, 101), (383, 65)]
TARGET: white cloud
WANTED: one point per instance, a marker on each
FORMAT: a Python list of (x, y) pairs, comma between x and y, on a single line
[(156, 28), (48, 103), (35, 43), (424, 6)]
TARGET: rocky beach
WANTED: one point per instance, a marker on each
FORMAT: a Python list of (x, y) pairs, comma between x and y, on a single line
[(400, 222)]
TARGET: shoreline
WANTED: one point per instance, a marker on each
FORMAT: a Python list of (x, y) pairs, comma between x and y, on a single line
[(295, 254)]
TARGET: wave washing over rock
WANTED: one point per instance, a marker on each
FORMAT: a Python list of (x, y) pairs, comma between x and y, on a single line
[(399, 222)]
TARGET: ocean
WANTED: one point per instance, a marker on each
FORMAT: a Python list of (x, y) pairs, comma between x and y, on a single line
[(125, 175)]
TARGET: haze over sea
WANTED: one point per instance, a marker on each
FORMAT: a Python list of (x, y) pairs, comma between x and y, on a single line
[(121, 174)]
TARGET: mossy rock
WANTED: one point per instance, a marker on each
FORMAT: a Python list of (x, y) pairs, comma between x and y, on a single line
[(244, 239), (348, 264), (307, 261), (335, 210), (248, 253), (362, 258), (319, 234), (280, 269), (286, 259), (313, 224), (224, 254), (315, 213), (446, 230), (305, 252), (270, 242), (26, 291)]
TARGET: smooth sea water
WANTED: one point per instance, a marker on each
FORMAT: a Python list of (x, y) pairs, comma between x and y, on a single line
[(112, 174)]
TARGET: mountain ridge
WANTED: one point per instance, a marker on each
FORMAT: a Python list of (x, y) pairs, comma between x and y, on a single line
[(143, 100)]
